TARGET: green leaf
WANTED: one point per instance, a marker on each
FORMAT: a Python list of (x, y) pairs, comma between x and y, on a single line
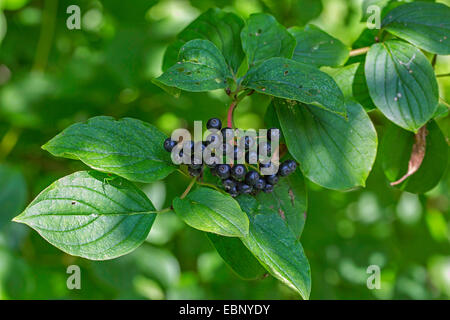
[(395, 151), (90, 215), (263, 38), (318, 48), (401, 83), (289, 200), (352, 81), (13, 193), (275, 246), (333, 152), (237, 257), (288, 79), (426, 25), (221, 28), (128, 148), (211, 211), (200, 67)]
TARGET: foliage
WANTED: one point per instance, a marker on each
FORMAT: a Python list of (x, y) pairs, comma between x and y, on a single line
[(330, 104)]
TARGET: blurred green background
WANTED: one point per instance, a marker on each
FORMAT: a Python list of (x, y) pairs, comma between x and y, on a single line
[(51, 77)]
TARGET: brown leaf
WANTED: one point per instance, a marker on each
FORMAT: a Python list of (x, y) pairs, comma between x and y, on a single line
[(417, 154)]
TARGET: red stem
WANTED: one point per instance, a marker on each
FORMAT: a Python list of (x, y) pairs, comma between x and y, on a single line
[(230, 114)]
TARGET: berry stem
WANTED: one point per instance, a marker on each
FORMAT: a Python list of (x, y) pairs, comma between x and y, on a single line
[(230, 114), (189, 187), (359, 51)]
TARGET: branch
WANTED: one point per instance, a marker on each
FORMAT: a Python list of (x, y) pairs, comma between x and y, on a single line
[(189, 187), (360, 51), (230, 114)]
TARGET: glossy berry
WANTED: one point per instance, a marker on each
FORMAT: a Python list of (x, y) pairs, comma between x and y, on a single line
[(169, 144), (212, 138), (244, 188), (251, 177), (238, 171), (268, 188), (272, 179), (233, 192), (292, 165), (214, 123), (251, 157), (195, 172), (260, 184), (284, 169), (223, 171), (272, 133), (228, 184)]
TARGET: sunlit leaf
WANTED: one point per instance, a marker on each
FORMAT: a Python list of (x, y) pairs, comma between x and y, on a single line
[(289, 200), (220, 27), (275, 246), (401, 83), (288, 79), (263, 38), (316, 47), (128, 147), (333, 152), (424, 24), (89, 215), (200, 67), (211, 211)]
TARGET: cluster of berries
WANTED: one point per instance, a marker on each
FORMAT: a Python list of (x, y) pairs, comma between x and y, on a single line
[(236, 178)]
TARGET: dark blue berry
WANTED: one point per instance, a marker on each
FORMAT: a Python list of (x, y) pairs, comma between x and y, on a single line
[(260, 184), (268, 188), (251, 177), (233, 192), (244, 188), (272, 179), (292, 165), (213, 138), (284, 169), (214, 123), (228, 184), (223, 171), (169, 144), (238, 171)]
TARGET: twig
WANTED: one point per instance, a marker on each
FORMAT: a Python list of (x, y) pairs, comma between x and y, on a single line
[(189, 187), (359, 51)]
